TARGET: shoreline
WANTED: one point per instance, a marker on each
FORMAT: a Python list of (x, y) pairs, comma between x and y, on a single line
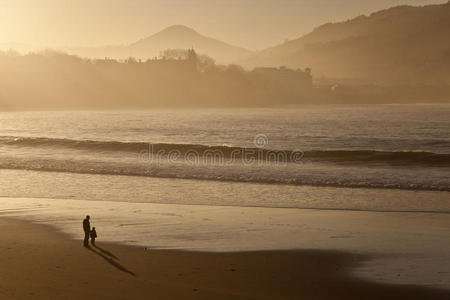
[(48, 264), (404, 248), (27, 184), (331, 209)]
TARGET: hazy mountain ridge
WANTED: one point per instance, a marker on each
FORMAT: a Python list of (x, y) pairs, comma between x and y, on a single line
[(182, 37), (173, 37), (403, 44)]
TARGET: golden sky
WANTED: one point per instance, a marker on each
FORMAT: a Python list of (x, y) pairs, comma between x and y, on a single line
[(254, 24)]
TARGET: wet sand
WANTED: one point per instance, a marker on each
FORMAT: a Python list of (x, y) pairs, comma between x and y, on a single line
[(405, 247), (37, 262)]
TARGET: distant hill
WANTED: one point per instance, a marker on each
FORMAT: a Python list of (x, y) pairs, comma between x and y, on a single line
[(54, 80), (173, 37), (182, 37), (400, 45)]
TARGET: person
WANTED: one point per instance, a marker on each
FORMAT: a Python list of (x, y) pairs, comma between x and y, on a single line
[(87, 230), (93, 236)]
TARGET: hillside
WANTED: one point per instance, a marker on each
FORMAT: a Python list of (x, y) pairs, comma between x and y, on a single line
[(173, 37), (400, 45), (60, 81)]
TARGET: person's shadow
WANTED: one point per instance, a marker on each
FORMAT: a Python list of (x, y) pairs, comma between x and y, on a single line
[(103, 254), (106, 252)]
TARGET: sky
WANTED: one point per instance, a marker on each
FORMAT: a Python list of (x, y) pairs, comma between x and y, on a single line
[(253, 24)]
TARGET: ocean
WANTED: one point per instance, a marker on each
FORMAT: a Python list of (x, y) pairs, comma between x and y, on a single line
[(364, 157), (371, 179)]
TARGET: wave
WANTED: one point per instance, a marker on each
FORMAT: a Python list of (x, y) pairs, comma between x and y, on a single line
[(332, 177), (351, 157)]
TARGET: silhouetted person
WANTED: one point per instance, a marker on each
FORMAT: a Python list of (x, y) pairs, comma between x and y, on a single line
[(93, 236), (87, 230)]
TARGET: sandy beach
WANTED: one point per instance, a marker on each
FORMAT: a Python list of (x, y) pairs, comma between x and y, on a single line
[(407, 248), (41, 263)]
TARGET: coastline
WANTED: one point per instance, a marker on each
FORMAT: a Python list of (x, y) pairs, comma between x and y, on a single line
[(403, 248), (41, 263)]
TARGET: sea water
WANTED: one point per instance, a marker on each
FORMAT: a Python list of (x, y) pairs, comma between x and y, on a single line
[(401, 147), (237, 179)]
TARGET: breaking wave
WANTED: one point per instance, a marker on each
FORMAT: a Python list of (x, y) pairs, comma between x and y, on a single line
[(350, 157)]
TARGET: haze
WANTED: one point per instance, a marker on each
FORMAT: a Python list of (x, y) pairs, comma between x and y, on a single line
[(254, 24)]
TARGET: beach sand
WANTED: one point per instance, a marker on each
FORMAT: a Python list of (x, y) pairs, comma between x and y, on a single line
[(38, 262)]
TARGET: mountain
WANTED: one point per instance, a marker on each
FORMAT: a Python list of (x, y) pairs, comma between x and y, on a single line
[(182, 37), (173, 37), (401, 45)]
